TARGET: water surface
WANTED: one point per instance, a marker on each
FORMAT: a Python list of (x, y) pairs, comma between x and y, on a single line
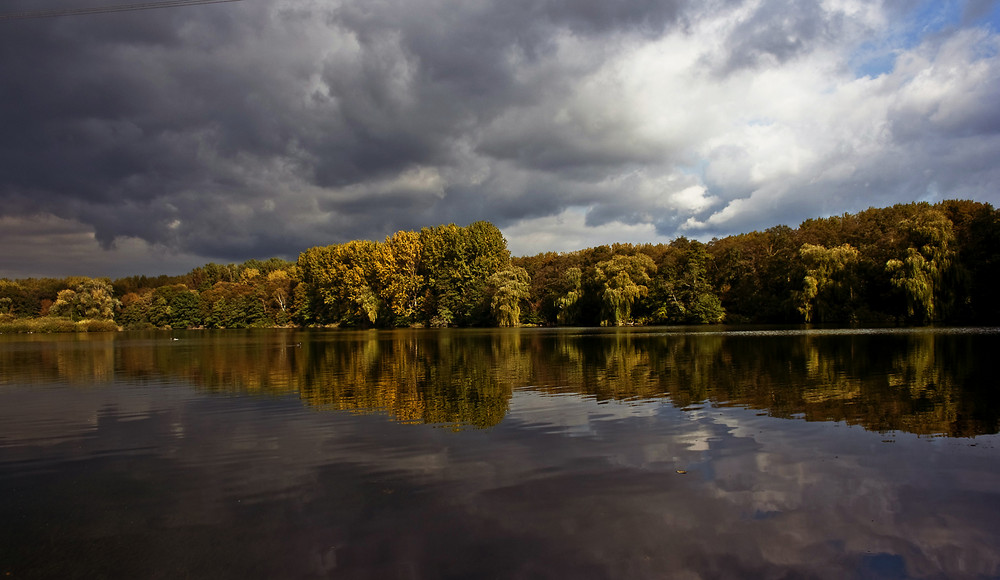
[(532, 453)]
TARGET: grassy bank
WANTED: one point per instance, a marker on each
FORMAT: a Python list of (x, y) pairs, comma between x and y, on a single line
[(52, 324)]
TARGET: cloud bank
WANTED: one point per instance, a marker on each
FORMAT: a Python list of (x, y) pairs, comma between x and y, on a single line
[(256, 129)]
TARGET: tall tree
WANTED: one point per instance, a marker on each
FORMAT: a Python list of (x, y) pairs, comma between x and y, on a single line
[(91, 299), (397, 265), (682, 292), (929, 253), (625, 279), (829, 286), (456, 263), (567, 303), (447, 274), (348, 285), (509, 287)]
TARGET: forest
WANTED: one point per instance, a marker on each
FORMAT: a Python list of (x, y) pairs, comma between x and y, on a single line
[(909, 264)]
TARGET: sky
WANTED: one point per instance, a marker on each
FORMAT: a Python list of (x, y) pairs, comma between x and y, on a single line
[(154, 141)]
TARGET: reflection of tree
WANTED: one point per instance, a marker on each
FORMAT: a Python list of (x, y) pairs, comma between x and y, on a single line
[(78, 360), (925, 383), (922, 383), (619, 365), (410, 377)]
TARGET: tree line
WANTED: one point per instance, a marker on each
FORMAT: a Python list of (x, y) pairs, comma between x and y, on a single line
[(914, 263), (469, 378)]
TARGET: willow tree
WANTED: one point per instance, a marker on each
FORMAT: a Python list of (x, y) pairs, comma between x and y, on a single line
[(920, 273), (625, 279), (916, 277), (509, 287), (829, 283), (567, 302)]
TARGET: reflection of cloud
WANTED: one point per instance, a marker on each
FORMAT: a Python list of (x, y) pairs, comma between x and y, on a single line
[(762, 497), (571, 414)]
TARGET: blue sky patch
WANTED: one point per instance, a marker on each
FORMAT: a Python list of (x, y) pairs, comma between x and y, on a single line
[(878, 56)]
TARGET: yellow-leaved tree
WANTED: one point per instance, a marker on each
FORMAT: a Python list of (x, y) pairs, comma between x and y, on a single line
[(397, 264)]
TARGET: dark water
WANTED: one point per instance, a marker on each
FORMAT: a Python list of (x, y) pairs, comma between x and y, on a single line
[(638, 453)]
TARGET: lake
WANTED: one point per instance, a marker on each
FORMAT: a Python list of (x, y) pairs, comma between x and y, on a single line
[(522, 453)]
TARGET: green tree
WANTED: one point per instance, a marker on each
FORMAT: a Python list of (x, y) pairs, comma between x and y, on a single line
[(828, 288), (976, 267), (682, 292), (509, 287), (277, 291), (134, 310), (567, 302), (11, 295), (92, 299), (625, 279), (752, 274), (456, 264), (232, 305), (447, 273), (174, 306), (919, 274)]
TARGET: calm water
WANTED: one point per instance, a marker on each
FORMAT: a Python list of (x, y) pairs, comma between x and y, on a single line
[(638, 453)]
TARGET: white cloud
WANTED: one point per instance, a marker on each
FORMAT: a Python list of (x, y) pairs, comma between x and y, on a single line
[(804, 138), (568, 231), (271, 128)]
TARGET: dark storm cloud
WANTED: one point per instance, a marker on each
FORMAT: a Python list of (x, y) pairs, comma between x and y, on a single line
[(177, 126), (255, 129)]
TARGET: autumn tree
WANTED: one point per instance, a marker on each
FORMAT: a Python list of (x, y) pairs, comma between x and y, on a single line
[(344, 279), (91, 299), (276, 292), (397, 265), (134, 309)]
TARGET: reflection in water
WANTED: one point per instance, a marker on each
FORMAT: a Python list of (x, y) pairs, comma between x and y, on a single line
[(923, 381), (634, 453)]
